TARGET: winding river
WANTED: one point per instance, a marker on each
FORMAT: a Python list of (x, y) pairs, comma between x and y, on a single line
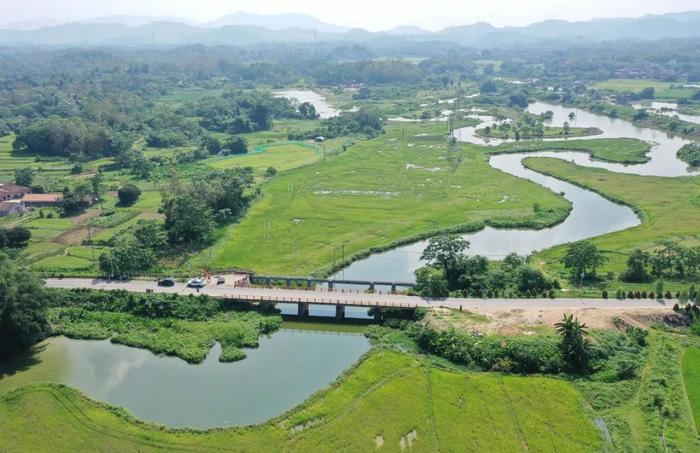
[(591, 215), (298, 360)]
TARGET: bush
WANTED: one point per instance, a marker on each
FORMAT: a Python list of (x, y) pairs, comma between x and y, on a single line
[(128, 194)]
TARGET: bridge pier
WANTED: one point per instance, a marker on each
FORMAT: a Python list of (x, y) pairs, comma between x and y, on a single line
[(340, 311), (377, 314), (393, 287), (330, 285), (289, 282), (309, 283), (371, 286), (303, 309)]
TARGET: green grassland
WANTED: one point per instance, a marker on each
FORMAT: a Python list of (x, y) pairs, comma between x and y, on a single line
[(691, 377), (650, 412), (669, 208), (282, 156), (59, 245), (663, 90), (188, 340), (400, 186), (622, 150), (390, 399), (549, 132)]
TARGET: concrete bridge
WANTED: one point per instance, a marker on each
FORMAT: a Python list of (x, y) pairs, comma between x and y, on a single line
[(341, 299), (310, 282)]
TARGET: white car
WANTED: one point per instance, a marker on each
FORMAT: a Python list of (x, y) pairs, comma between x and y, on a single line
[(196, 283)]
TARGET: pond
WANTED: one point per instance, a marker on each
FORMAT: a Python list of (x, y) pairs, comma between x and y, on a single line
[(323, 109), (592, 215), (287, 368)]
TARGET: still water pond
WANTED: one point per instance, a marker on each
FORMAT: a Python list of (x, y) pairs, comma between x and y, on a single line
[(286, 369), (323, 108), (592, 215)]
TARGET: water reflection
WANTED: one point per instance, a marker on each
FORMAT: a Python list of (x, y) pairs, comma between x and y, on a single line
[(286, 369), (323, 109), (592, 215)]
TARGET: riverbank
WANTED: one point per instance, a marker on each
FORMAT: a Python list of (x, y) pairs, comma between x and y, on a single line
[(667, 206), (389, 399)]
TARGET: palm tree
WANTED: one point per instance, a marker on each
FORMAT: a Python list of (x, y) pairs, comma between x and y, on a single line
[(574, 343)]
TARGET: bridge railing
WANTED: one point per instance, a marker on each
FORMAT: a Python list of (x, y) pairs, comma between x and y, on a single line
[(319, 301)]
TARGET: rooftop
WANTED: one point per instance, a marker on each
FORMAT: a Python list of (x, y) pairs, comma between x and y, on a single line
[(42, 197)]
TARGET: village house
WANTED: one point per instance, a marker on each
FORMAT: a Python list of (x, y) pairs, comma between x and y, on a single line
[(8, 208), (35, 200), (9, 191)]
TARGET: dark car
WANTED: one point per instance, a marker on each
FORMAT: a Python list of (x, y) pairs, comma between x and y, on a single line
[(168, 281)]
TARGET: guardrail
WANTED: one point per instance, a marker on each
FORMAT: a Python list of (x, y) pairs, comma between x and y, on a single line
[(319, 301)]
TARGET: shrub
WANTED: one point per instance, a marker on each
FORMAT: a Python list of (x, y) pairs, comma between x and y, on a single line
[(128, 194)]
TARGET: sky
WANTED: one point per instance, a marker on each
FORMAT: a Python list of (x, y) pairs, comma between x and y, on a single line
[(369, 14)]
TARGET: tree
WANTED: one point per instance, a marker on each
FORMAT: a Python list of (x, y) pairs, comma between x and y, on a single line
[(307, 111), (150, 234), (270, 172), (572, 116), (128, 194), (188, 219), (518, 100), (75, 200), (636, 267), (529, 279), (211, 144), (24, 177), (236, 145), (15, 237), (567, 128), (135, 251), (127, 258), (431, 282), (583, 258), (647, 93), (574, 343), (23, 301), (446, 252)]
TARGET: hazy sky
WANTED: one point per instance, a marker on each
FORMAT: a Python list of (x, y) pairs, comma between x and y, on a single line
[(369, 14)]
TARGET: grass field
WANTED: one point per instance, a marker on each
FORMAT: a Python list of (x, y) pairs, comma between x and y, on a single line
[(691, 378), (282, 156), (663, 90), (623, 150), (549, 132), (394, 187), (670, 209), (391, 402)]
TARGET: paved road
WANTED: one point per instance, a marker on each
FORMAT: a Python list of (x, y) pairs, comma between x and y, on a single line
[(358, 298)]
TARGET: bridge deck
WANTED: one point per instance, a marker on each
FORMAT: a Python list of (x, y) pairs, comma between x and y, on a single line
[(323, 297)]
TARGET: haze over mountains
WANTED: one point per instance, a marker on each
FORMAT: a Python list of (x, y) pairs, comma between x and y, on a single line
[(246, 29)]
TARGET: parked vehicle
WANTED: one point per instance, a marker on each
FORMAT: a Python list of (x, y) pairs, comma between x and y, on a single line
[(196, 283), (219, 279), (167, 281)]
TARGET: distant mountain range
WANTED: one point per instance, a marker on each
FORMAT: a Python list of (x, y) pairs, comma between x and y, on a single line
[(246, 29)]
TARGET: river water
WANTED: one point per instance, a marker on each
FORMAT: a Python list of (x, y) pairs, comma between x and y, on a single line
[(319, 102), (592, 215), (287, 368)]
